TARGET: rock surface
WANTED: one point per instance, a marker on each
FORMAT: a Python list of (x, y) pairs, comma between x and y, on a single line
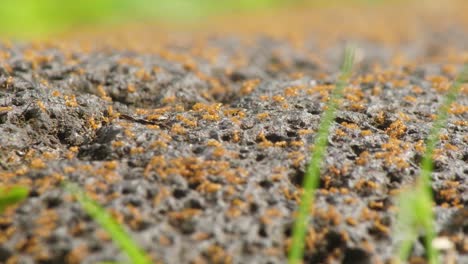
[(201, 157)]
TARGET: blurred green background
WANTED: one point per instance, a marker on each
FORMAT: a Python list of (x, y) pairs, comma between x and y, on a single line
[(39, 18)]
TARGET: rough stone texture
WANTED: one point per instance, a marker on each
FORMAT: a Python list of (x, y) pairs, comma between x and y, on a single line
[(203, 160)]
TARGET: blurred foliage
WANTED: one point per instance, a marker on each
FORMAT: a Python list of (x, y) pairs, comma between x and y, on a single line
[(11, 196), (37, 17), (32, 18)]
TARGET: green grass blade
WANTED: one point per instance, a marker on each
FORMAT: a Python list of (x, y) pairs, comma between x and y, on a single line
[(12, 195), (416, 206), (439, 124), (115, 230), (312, 174), (415, 215)]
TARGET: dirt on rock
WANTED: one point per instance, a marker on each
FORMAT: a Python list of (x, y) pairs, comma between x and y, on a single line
[(201, 153)]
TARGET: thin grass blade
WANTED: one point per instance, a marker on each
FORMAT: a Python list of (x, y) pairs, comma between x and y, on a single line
[(416, 212), (312, 175), (12, 195), (106, 221)]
